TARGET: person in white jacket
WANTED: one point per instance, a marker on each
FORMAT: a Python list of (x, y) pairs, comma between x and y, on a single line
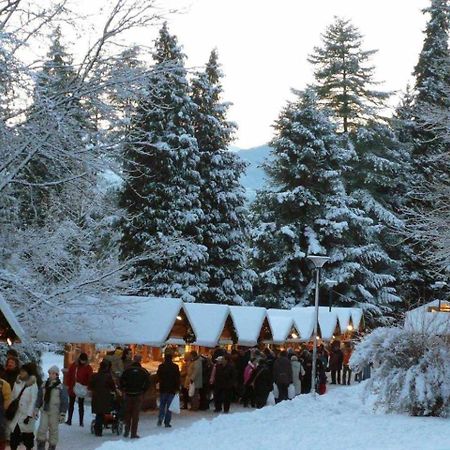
[(22, 425), (297, 372)]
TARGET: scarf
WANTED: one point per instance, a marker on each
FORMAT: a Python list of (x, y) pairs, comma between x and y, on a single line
[(49, 385)]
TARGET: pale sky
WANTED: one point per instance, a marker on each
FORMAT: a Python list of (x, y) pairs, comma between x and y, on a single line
[(263, 46)]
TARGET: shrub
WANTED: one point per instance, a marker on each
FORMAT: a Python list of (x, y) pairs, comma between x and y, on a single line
[(411, 370)]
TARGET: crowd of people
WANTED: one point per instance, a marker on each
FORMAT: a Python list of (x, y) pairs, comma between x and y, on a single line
[(217, 379), (25, 397)]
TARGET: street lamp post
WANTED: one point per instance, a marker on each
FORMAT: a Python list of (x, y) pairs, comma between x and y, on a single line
[(318, 262)]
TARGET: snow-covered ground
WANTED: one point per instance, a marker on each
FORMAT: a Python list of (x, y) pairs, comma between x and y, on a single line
[(338, 420)]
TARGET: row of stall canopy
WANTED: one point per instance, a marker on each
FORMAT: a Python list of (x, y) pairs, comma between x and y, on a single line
[(156, 321)]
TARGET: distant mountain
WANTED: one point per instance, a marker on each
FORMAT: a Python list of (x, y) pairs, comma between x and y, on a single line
[(254, 178)]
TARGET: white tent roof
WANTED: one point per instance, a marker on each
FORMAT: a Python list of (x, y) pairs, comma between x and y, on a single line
[(208, 322), (11, 318), (281, 323), (344, 315), (357, 315), (125, 320), (248, 321), (303, 322), (421, 320), (328, 320)]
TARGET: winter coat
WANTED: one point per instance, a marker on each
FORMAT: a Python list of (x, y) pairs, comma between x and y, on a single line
[(336, 359), (102, 387), (59, 399), (225, 376), (135, 380), (5, 397), (27, 404), (282, 371), (78, 373), (6, 393), (168, 376), (248, 372), (262, 382), (195, 373), (297, 372), (117, 366)]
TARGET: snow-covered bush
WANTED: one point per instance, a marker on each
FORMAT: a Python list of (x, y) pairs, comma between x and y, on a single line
[(412, 370)]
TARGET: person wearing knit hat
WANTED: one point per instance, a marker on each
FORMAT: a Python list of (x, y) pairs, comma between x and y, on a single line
[(22, 424), (53, 408), (54, 369)]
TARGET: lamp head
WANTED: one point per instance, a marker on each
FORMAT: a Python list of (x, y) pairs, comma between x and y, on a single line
[(318, 260)]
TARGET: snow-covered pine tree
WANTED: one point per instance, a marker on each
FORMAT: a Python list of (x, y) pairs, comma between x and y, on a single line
[(431, 72), (428, 148), (224, 229), (62, 125), (345, 84), (306, 210), (161, 196)]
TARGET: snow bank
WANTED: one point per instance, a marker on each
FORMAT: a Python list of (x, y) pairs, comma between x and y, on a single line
[(337, 421)]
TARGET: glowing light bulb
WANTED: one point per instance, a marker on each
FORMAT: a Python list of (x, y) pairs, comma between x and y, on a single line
[(350, 328), (9, 341), (294, 336), (179, 317)]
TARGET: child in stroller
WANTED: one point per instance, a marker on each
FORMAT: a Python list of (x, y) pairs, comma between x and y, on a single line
[(112, 420)]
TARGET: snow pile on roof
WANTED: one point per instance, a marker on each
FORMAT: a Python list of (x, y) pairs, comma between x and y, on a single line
[(338, 420), (11, 318), (139, 320), (248, 321), (424, 320), (303, 322), (281, 323), (328, 321), (208, 322)]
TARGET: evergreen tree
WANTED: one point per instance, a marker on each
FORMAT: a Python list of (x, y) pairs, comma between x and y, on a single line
[(428, 149), (307, 211), (431, 72), (344, 78), (58, 118), (225, 227), (161, 197)]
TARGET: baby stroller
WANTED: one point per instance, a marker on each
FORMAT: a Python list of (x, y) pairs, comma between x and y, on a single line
[(113, 420)]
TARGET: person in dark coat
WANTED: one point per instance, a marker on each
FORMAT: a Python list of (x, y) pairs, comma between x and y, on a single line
[(134, 382), (204, 390), (282, 375), (168, 377), (224, 382), (218, 351), (262, 383), (103, 388), (335, 362), (306, 360)]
